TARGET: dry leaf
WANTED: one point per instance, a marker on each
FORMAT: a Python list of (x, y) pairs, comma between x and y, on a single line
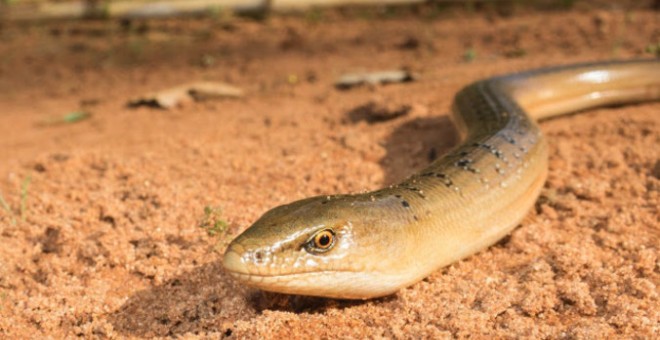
[(180, 95), (347, 81)]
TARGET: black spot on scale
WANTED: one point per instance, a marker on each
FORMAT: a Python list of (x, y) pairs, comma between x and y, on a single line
[(405, 204), (465, 165), (495, 151), (397, 196), (414, 189)]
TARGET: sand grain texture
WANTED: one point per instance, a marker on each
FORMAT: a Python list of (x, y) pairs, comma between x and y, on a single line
[(110, 245)]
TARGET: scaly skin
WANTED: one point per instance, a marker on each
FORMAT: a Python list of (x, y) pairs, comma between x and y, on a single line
[(460, 204)]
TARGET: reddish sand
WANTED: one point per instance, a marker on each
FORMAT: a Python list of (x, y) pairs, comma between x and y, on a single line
[(110, 243)]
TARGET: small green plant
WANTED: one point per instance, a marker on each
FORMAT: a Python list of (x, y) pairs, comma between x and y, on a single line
[(215, 226), (7, 208), (292, 79), (75, 116), (68, 118), (213, 222), (25, 185), (469, 55), (653, 49), (221, 16), (216, 12), (314, 15)]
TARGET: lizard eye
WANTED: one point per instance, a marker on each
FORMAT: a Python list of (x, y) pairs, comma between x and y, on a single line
[(321, 242)]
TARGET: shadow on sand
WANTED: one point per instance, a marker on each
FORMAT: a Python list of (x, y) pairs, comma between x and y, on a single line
[(206, 299), (415, 144), (203, 300)]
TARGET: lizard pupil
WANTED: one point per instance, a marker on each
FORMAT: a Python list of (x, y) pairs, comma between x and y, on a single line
[(324, 240)]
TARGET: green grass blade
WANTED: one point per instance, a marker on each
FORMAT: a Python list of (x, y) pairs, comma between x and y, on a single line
[(6, 206), (24, 193)]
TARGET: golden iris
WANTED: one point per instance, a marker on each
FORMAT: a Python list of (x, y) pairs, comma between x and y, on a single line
[(324, 239)]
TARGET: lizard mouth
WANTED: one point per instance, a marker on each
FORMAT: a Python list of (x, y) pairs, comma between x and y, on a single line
[(236, 267)]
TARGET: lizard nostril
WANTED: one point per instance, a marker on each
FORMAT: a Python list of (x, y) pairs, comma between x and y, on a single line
[(260, 256)]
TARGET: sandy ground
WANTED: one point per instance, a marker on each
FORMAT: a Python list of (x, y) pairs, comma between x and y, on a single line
[(105, 239)]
